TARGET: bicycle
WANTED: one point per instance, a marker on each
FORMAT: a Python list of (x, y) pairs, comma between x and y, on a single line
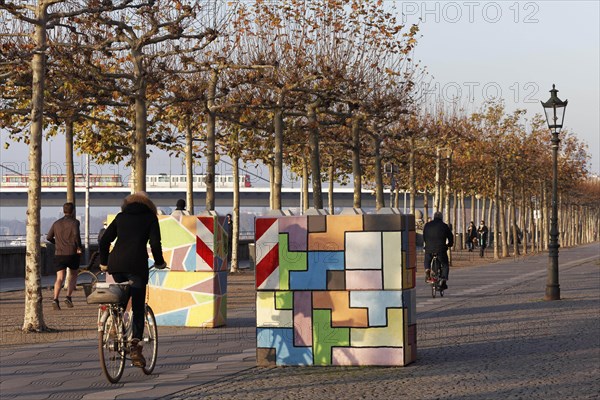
[(115, 330), (435, 276)]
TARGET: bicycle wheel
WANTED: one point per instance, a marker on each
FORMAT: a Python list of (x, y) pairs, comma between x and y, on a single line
[(435, 274), (86, 277), (111, 348), (150, 339)]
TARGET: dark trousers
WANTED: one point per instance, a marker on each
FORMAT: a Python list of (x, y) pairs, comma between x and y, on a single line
[(443, 258), (138, 301)]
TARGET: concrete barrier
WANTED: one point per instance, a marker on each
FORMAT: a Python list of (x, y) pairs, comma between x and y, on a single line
[(12, 261), (193, 292), (336, 290)]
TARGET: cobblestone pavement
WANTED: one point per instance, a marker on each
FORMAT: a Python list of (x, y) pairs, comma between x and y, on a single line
[(492, 336), (496, 341)]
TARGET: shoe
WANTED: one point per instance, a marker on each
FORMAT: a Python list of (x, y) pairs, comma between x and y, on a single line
[(135, 352), (55, 305), (68, 302)]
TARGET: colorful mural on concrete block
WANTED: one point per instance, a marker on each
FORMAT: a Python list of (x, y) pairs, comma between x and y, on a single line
[(336, 290), (194, 299), (193, 292)]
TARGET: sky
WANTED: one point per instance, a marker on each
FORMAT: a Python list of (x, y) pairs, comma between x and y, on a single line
[(476, 51), (481, 50)]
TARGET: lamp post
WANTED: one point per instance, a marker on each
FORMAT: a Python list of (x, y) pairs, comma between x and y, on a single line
[(555, 115)]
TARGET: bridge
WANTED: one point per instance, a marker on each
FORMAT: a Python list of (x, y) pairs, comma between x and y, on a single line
[(167, 197)]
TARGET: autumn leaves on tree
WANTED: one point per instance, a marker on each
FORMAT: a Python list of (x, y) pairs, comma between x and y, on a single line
[(327, 89)]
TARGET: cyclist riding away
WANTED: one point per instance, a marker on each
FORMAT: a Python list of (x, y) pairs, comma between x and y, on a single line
[(133, 227), (438, 238)]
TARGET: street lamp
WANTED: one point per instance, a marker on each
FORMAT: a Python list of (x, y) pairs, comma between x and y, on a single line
[(555, 115), (478, 196)]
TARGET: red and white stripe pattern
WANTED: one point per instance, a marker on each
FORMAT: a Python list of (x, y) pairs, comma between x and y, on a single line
[(267, 253), (205, 243)]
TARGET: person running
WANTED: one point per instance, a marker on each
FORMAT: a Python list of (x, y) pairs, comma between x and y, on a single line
[(438, 238), (65, 235), (133, 227)]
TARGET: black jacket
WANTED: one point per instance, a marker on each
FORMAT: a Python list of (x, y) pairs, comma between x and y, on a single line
[(437, 236), (133, 228), (482, 234), (471, 233)]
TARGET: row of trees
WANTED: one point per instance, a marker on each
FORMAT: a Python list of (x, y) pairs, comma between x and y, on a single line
[(326, 88)]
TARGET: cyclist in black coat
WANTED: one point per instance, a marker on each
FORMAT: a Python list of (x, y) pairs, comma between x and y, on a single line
[(438, 239), (133, 227)]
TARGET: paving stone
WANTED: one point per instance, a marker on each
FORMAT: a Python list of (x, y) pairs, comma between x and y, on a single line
[(491, 336)]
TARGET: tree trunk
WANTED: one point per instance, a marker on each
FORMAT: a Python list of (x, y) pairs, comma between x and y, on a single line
[(484, 217), (34, 315), (523, 212), (71, 183), (379, 200), (189, 170), (211, 127), (515, 227), (411, 174), (315, 161), (132, 179), (463, 208), (69, 161), (562, 221), (503, 221), (235, 229), (474, 204), (454, 225), (356, 167), (425, 205), (448, 183), (544, 217), (489, 210), (436, 195), (412, 179), (277, 155), (330, 189), (141, 123), (305, 177), (271, 184), (533, 226), (497, 216)]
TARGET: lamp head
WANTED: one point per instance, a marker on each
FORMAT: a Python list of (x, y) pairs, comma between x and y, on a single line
[(554, 109)]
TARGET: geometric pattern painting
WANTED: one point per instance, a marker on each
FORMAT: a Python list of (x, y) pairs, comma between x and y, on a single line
[(194, 299), (336, 290), (194, 243), (193, 291)]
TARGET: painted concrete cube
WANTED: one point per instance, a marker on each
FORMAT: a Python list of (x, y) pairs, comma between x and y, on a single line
[(336, 290), (193, 292)]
